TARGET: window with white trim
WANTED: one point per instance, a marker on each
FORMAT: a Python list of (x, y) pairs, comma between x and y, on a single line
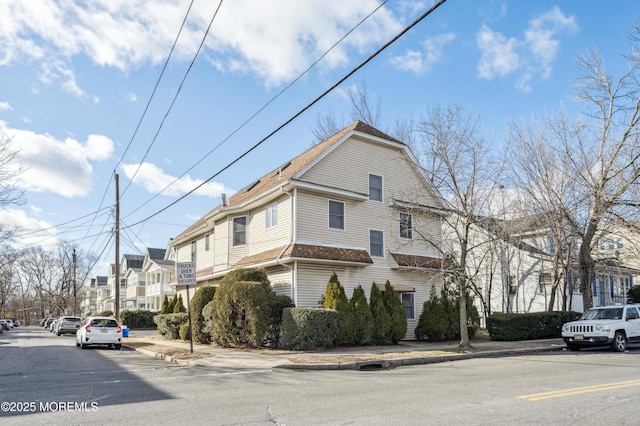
[(239, 231), (206, 242), (271, 215), (375, 187), (408, 303), (406, 226), (376, 243), (194, 250), (336, 214)]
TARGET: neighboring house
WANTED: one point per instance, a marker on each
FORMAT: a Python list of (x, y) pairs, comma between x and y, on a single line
[(348, 205), (91, 300), (158, 272), (133, 277), (514, 263)]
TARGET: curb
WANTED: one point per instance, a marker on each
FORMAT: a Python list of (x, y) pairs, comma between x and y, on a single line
[(373, 364), (402, 362)]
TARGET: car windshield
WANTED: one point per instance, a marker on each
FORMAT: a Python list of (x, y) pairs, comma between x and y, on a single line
[(606, 313), (104, 323)]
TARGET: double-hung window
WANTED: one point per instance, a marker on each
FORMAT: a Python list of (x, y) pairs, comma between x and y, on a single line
[(206, 242), (336, 214), (408, 305), (239, 231), (376, 243), (375, 187), (194, 250), (406, 226), (271, 215)]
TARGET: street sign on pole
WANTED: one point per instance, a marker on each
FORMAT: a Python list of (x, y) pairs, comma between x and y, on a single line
[(186, 272)]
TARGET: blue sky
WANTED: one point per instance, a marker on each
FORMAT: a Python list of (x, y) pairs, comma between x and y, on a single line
[(76, 77)]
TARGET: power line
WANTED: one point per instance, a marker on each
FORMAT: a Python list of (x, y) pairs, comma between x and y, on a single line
[(301, 111), (175, 97), (262, 108)]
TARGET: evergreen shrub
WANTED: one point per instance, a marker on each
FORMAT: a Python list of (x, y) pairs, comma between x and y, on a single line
[(308, 328)]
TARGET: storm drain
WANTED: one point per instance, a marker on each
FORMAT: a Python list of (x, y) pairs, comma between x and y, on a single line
[(370, 365)]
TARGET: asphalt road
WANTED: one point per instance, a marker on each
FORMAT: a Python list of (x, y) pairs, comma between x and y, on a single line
[(45, 379)]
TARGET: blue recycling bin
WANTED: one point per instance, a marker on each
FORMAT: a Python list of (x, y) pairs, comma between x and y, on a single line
[(125, 331)]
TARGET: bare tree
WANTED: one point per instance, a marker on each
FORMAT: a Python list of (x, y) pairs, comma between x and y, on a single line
[(457, 159), (9, 194), (363, 108)]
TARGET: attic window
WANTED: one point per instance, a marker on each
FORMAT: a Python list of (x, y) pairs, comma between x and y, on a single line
[(253, 185)]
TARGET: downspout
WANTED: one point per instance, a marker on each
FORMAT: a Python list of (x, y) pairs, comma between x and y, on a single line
[(292, 228)]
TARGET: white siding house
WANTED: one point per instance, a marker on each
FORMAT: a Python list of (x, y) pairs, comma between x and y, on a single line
[(345, 205)]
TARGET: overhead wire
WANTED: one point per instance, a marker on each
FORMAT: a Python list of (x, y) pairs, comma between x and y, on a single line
[(262, 108), (175, 97), (301, 111)]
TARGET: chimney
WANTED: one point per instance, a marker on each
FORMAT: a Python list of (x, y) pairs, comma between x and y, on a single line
[(224, 199)]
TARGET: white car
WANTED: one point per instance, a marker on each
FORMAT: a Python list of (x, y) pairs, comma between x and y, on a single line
[(99, 331), (615, 326)]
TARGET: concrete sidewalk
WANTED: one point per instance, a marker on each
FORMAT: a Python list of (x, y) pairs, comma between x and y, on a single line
[(353, 358)]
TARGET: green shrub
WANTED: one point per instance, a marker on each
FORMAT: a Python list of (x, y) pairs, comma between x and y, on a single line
[(207, 315), (165, 306), (633, 295), (533, 325), (169, 324), (382, 322), (247, 274), (105, 313), (241, 314), (440, 318), (397, 314), (178, 306), (276, 305), (201, 297), (138, 319), (362, 325), (336, 299), (183, 331), (434, 323), (308, 328)]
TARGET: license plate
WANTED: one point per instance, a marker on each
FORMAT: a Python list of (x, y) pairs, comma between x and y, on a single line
[(104, 330), (578, 337)]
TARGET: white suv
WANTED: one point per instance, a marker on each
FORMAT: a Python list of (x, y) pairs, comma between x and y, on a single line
[(614, 326)]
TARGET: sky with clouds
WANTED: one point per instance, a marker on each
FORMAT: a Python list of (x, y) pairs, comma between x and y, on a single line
[(167, 93)]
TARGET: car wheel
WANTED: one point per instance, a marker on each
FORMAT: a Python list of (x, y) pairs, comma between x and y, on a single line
[(77, 344), (573, 348), (619, 342), (58, 333), (83, 346), (118, 346)]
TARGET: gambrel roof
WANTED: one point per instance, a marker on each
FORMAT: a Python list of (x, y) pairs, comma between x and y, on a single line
[(288, 172)]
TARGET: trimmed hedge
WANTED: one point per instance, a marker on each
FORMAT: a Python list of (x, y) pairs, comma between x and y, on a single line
[(138, 319), (241, 314), (534, 325), (169, 324), (199, 300), (308, 328)]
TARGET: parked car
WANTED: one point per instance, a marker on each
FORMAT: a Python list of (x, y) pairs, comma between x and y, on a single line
[(10, 322), (99, 331), (48, 322), (52, 326), (4, 325), (67, 325), (614, 326)]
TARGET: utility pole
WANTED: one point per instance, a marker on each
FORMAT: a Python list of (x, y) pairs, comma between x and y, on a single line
[(75, 284), (116, 310)]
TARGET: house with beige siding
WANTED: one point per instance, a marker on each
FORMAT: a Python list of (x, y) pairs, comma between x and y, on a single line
[(347, 205)]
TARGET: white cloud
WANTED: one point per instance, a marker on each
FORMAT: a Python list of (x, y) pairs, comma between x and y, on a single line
[(53, 165), (131, 97), (530, 56), (499, 56), (274, 40), (154, 180), (422, 61), (29, 231), (5, 106)]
